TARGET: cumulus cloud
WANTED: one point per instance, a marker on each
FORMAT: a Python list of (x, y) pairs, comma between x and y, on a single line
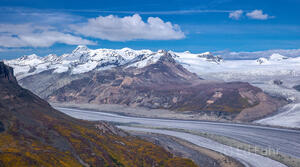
[(128, 28), (46, 29), (258, 15), (236, 15), (28, 35)]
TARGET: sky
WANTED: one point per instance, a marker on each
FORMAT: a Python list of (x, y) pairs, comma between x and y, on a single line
[(234, 28)]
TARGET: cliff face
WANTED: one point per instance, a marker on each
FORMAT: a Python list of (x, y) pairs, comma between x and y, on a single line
[(32, 133), (6, 73)]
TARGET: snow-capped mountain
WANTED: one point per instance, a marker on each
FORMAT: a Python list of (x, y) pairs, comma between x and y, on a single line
[(262, 60), (83, 59), (273, 58), (277, 57), (154, 80), (76, 68)]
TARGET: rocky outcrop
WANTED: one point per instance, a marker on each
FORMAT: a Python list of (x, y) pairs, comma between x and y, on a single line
[(6, 73), (266, 106), (297, 87)]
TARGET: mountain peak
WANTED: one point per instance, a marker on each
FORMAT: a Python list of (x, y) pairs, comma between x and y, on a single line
[(210, 57), (205, 53), (51, 57), (126, 49), (262, 60), (162, 51), (80, 48), (30, 57), (277, 57)]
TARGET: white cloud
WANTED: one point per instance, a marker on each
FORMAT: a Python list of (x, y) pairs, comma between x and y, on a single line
[(258, 15), (14, 49), (128, 28), (236, 14), (28, 35)]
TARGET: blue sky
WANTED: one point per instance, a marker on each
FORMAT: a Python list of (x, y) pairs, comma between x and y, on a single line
[(56, 26)]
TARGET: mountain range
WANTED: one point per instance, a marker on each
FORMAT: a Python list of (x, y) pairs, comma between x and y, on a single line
[(159, 80), (83, 60)]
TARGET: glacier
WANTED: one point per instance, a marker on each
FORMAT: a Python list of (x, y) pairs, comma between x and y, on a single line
[(276, 74)]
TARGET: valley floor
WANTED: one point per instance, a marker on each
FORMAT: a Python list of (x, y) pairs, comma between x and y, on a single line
[(144, 112), (276, 140)]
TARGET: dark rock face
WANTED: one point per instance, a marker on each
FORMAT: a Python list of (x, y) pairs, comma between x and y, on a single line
[(6, 73), (35, 134), (2, 128), (297, 87), (277, 82)]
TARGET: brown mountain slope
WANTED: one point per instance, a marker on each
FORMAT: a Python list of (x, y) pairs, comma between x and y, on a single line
[(34, 134), (167, 85)]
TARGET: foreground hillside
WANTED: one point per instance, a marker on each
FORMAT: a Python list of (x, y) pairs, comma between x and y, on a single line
[(34, 134)]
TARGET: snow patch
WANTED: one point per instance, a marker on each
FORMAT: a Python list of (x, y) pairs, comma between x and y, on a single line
[(277, 57)]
